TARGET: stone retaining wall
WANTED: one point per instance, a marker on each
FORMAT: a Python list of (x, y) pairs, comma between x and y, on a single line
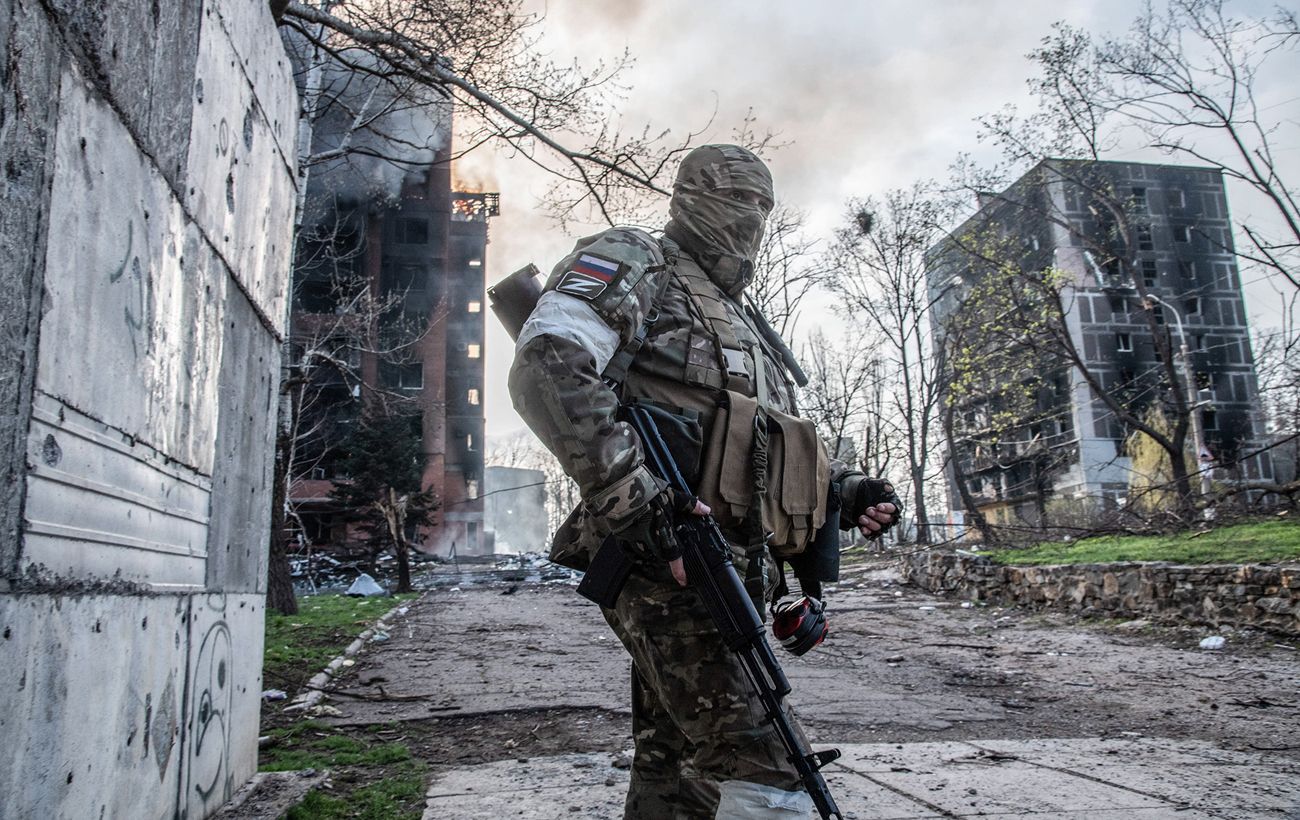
[(1239, 595)]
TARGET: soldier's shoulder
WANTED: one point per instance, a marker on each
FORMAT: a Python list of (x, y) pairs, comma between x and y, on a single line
[(605, 268)]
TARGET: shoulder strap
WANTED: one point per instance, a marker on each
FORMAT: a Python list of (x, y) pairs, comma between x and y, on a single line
[(621, 361)]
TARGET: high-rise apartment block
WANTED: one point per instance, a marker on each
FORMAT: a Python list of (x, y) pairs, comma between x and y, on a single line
[(1140, 246), (388, 307)]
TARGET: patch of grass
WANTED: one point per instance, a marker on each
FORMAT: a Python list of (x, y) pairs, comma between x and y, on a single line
[(374, 778), (398, 796), (1270, 542), (330, 751), (299, 646)]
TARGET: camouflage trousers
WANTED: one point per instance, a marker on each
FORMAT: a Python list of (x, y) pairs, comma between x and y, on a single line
[(694, 721)]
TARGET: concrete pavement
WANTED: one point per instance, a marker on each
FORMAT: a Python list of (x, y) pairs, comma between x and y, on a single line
[(1097, 779), (941, 710)]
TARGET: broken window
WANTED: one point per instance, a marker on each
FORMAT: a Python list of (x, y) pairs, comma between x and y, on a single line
[(402, 376), (1144, 240), (404, 278), (412, 231), (1149, 272), (1140, 200), (1210, 420)]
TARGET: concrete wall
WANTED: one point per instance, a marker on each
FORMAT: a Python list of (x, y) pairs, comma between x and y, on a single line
[(148, 183), (1261, 596)]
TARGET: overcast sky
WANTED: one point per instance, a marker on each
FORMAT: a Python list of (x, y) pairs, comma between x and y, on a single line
[(871, 95)]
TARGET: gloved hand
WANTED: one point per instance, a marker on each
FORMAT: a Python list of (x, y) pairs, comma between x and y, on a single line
[(651, 530), (872, 499)]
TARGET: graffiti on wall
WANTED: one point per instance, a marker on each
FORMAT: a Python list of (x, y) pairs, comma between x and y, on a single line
[(139, 302), (211, 703)]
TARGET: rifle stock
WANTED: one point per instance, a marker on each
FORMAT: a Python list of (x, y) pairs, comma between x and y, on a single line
[(707, 558)]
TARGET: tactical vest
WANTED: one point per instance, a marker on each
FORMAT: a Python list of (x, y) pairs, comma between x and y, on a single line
[(762, 470)]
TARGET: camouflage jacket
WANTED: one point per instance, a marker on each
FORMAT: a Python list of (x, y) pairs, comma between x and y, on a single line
[(700, 349)]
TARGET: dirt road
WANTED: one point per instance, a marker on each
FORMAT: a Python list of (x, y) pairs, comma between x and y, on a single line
[(520, 672)]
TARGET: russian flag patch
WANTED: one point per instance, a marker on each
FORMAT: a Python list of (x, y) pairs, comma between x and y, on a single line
[(588, 276)]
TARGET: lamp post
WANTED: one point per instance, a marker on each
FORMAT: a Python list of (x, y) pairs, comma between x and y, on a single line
[(1193, 406)]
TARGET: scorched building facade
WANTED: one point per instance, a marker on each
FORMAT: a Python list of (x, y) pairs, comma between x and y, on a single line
[(388, 307), (1143, 256)]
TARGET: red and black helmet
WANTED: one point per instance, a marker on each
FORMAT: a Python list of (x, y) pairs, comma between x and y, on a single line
[(799, 625)]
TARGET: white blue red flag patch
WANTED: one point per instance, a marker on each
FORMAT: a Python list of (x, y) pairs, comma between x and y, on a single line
[(588, 276)]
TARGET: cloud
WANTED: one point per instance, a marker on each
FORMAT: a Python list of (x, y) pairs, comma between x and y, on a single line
[(871, 95)]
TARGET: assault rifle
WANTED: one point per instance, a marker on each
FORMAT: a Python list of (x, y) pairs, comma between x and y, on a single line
[(707, 558)]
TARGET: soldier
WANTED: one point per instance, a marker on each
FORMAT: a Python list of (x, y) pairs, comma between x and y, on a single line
[(629, 316)]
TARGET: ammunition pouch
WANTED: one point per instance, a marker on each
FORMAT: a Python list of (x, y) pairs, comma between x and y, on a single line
[(798, 472)]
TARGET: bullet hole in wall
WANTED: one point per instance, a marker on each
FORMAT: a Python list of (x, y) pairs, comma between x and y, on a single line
[(51, 452), (69, 777), (144, 622), (8, 632)]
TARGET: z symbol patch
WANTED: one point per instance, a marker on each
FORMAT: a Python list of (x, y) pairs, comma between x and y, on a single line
[(588, 277)]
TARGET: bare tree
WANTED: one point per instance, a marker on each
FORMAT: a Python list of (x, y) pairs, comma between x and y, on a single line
[(786, 268), (844, 384), (880, 277), (484, 57)]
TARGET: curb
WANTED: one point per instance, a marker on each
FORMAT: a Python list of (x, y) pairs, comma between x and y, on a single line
[(316, 689)]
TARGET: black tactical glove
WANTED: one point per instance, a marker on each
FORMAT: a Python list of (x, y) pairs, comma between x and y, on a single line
[(651, 531), (859, 493)]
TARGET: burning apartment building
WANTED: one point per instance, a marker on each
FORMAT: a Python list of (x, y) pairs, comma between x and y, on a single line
[(388, 313)]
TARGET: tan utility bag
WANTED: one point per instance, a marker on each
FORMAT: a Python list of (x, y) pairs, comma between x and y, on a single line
[(797, 474)]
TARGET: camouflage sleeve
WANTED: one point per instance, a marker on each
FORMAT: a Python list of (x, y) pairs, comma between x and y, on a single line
[(559, 393), (555, 380)]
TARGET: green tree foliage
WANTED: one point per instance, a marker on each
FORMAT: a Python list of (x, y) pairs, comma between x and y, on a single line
[(384, 464), (1003, 373)]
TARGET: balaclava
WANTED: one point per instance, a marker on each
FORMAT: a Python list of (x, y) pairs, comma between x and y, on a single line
[(721, 234)]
